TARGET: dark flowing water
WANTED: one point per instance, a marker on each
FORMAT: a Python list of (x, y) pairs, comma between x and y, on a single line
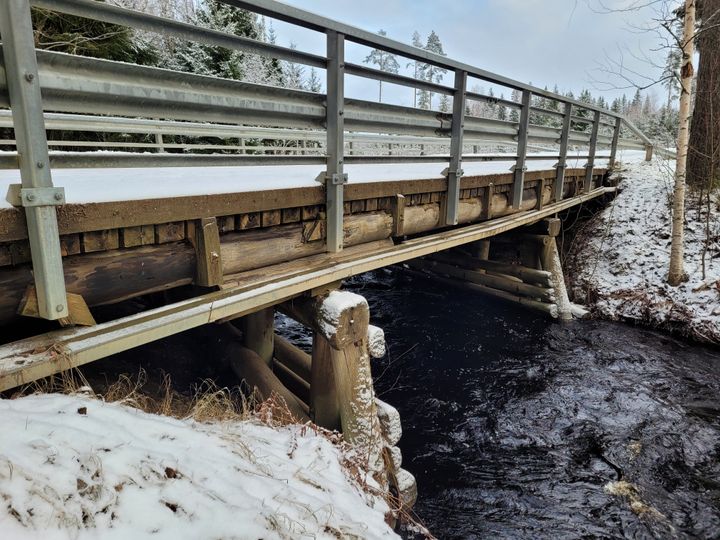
[(514, 425)]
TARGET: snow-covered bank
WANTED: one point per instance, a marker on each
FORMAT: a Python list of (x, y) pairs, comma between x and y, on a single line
[(619, 264), (77, 467)]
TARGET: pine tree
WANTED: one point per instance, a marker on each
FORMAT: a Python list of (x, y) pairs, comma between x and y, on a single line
[(384, 60), (314, 84), (502, 112), (430, 72), (294, 74), (418, 68), (515, 112), (87, 37), (444, 103)]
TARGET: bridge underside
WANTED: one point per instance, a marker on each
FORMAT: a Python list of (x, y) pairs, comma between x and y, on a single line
[(244, 252)]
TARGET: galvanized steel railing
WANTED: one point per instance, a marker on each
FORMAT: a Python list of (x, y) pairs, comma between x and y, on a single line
[(82, 91)]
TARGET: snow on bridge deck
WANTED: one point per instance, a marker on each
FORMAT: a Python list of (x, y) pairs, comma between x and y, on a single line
[(95, 185)]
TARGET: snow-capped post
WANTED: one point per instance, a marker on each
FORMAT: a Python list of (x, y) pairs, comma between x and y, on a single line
[(341, 388), (335, 178), (520, 168)]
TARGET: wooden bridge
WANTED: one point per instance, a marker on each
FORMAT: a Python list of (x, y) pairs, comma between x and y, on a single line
[(298, 192)]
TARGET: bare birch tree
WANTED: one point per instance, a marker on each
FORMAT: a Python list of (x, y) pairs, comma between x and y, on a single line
[(676, 273)]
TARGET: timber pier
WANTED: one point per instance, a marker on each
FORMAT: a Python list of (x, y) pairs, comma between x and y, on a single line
[(300, 191)]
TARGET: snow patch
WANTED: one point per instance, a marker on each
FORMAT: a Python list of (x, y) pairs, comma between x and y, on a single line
[(622, 266), (76, 467), (376, 342)]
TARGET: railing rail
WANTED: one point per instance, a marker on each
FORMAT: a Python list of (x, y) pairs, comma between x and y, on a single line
[(81, 92)]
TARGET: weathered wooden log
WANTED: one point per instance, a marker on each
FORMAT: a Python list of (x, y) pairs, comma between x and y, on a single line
[(550, 260), (488, 280), (259, 333), (324, 406), (296, 384), (550, 309), (341, 324), (256, 373), (527, 275), (293, 358)]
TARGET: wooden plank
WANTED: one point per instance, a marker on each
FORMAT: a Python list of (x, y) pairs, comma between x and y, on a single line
[(371, 205), (205, 237), (271, 218), (226, 224), (488, 194), (252, 220), (324, 407), (33, 358), (100, 240), (310, 213), (313, 231), (170, 232), (20, 252), (70, 244), (78, 311), (142, 235), (291, 215), (357, 207), (398, 215)]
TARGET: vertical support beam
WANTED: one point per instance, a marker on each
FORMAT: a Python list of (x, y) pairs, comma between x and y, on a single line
[(562, 162), (615, 141), (590, 165), (324, 407), (205, 238), (456, 148), (520, 168), (38, 195), (648, 152), (488, 201), (259, 333), (335, 178)]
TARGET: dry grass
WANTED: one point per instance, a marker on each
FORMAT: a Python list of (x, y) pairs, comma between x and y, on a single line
[(208, 403)]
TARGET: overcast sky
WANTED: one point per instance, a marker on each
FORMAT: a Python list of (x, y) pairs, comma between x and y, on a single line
[(545, 42)]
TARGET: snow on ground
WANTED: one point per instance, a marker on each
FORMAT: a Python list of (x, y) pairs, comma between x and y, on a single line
[(622, 266), (124, 184), (80, 468)]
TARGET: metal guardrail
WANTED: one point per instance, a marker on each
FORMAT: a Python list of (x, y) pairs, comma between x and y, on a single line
[(83, 91)]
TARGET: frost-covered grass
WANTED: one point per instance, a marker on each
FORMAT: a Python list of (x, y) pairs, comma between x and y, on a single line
[(72, 466), (620, 262)]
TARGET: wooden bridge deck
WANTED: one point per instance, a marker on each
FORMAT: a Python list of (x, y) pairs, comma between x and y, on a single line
[(269, 246)]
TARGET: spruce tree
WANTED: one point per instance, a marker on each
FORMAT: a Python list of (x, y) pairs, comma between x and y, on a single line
[(430, 72), (384, 60)]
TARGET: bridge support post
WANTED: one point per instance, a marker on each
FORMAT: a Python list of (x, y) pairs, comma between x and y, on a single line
[(455, 172), (562, 162), (37, 194), (259, 333), (615, 141), (335, 178), (520, 168), (590, 166)]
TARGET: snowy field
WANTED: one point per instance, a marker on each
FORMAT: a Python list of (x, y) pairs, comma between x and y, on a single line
[(75, 467), (123, 184), (622, 267)]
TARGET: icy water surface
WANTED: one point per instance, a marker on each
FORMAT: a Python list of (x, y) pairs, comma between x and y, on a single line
[(514, 426)]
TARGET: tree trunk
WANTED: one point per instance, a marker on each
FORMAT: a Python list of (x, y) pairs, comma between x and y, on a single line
[(704, 151), (677, 275)]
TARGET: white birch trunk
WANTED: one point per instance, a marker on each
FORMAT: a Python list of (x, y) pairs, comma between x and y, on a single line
[(676, 274)]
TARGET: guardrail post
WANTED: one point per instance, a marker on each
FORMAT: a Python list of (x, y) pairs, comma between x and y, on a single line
[(615, 141), (562, 162), (37, 193), (590, 166), (335, 178), (454, 172), (520, 168)]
